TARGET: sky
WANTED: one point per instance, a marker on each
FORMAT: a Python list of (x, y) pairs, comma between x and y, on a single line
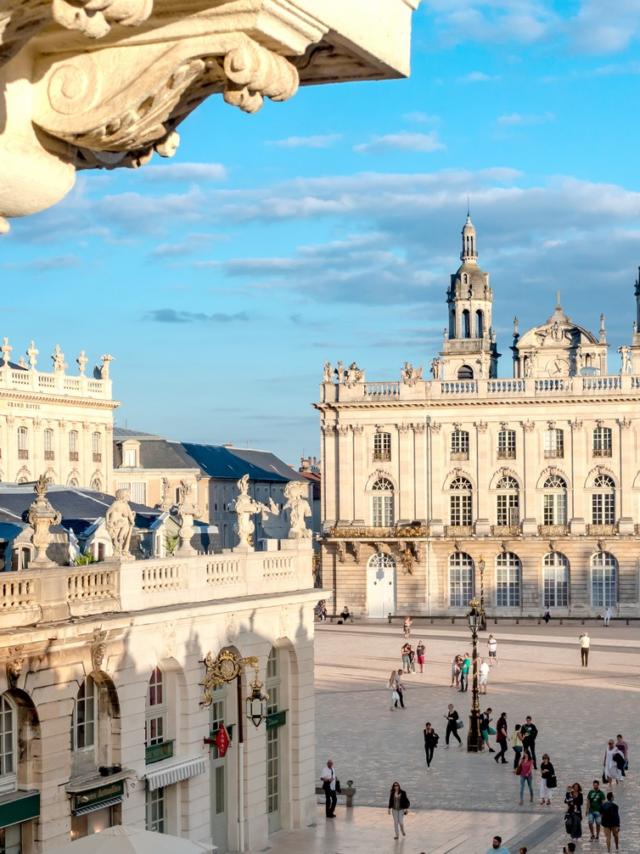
[(326, 227)]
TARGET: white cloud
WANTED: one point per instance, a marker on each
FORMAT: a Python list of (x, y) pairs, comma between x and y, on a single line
[(402, 141), (478, 77), (492, 21), (514, 119), (315, 141), (606, 28), (185, 172), (419, 118)]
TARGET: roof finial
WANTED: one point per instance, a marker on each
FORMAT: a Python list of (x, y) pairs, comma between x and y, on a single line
[(558, 304), (468, 207)]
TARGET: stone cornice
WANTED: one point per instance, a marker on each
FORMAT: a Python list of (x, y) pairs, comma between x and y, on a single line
[(58, 400)]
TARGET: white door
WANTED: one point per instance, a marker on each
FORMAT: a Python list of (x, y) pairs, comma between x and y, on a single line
[(381, 586)]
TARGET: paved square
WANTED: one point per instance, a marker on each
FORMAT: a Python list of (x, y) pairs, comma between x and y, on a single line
[(538, 673)]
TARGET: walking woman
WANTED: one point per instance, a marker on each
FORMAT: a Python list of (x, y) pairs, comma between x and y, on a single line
[(406, 657), (431, 739), (548, 780), (516, 746), (525, 772), (420, 655), (398, 808), (573, 823), (396, 687)]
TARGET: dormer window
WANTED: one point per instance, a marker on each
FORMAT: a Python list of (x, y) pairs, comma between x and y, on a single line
[(131, 455)]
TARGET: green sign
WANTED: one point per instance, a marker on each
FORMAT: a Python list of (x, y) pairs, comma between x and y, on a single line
[(19, 807), (158, 752), (97, 796), (276, 719)]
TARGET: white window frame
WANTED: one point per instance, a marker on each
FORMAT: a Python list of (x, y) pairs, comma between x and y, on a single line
[(156, 709), (382, 446), (460, 502), (555, 580), (554, 501), (508, 580), (156, 809), (604, 591), (507, 502), (603, 501), (507, 444), (8, 745), (554, 443), (382, 503), (89, 703), (461, 578), (602, 445), (460, 444)]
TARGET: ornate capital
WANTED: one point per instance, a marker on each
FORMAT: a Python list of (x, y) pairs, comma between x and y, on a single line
[(98, 648), (344, 429), (481, 426), (404, 428), (357, 429), (527, 426), (341, 551), (13, 664), (576, 424), (419, 427), (625, 423)]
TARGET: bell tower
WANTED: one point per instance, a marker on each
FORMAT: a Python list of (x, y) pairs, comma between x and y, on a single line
[(469, 350)]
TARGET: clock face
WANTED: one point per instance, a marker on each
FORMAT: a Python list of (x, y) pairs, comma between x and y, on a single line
[(557, 367)]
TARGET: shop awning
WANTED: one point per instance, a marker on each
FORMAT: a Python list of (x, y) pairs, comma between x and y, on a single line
[(100, 806), (17, 807), (173, 771)]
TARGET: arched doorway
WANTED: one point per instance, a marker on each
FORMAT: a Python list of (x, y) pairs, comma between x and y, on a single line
[(381, 585)]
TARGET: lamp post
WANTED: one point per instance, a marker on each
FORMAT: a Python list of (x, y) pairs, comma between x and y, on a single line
[(483, 616), (474, 739)]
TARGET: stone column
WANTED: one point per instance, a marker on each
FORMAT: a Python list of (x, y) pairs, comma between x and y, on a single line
[(529, 509), (344, 474), (359, 473), (12, 449), (329, 474), (482, 526), (577, 465), (627, 471), (406, 479)]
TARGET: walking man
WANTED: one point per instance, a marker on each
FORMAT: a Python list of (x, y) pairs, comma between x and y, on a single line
[(595, 800), (492, 643), (529, 734), (607, 616), (329, 785), (464, 672), (452, 725), (502, 738), (611, 821), (484, 675), (585, 643)]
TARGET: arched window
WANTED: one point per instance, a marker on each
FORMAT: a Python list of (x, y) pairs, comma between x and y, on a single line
[(459, 445), (555, 580), (74, 454), (603, 501), (553, 443), (555, 501), (23, 443), (8, 743), (73, 482), (465, 372), (508, 502), (85, 716), (508, 580), (507, 444), (156, 710), (479, 323), (382, 447), (460, 579), (460, 502), (381, 561), (604, 580), (382, 503), (602, 442), (49, 453), (96, 446), (466, 324)]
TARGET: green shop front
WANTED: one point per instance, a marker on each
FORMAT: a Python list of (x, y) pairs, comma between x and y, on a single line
[(19, 812), (96, 808)]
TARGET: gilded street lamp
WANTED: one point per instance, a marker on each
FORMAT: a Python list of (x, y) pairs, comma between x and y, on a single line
[(474, 739), (483, 616)]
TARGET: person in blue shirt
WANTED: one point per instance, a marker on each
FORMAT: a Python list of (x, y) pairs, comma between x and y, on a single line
[(497, 847)]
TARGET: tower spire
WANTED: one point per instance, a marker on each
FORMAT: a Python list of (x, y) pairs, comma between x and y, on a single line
[(469, 253)]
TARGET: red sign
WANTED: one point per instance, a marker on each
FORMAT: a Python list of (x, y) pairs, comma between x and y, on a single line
[(222, 740)]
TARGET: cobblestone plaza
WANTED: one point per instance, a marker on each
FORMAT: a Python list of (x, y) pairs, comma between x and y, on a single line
[(464, 799)]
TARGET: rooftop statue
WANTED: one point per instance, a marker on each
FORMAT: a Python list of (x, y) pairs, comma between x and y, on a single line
[(245, 507), (297, 509), (120, 520)]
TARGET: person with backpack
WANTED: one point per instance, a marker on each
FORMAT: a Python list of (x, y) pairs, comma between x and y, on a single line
[(431, 739), (398, 808), (611, 821), (548, 780)]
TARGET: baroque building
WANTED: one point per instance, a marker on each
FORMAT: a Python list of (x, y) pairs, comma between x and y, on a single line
[(55, 423), (525, 490)]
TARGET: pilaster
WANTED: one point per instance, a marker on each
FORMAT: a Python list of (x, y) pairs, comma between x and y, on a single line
[(344, 474), (529, 509), (359, 473), (577, 467), (482, 525), (406, 477), (330, 474), (627, 471)]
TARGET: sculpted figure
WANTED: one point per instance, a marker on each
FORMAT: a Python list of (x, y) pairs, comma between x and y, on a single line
[(326, 372), (436, 364), (58, 359), (339, 372), (410, 375), (120, 519), (244, 507), (297, 508), (625, 359)]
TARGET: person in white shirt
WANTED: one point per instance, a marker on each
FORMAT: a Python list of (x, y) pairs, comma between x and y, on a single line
[(492, 643), (329, 785), (484, 675), (606, 617), (585, 643)]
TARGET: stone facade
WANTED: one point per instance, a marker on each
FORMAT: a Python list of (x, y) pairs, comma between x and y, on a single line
[(525, 489), (101, 689), (54, 423)]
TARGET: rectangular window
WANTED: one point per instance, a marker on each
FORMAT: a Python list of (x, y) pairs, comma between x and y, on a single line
[(460, 586), (130, 458), (86, 715), (273, 755), (220, 789), (603, 506), (508, 512), (507, 445), (460, 445), (555, 509), (602, 442), (156, 810), (382, 447), (556, 589), (554, 443), (461, 510), (508, 587), (382, 511), (217, 716)]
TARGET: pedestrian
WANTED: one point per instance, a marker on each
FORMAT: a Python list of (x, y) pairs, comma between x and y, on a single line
[(346, 615), (606, 617), (623, 747), (525, 772), (464, 672), (405, 653), (516, 745), (492, 644), (453, 719), (572, 823), (396, 687), (548, 780), (576, 798), (420, 649), (611, 821), (547, 616), (569, 848), (398, 808), (613, 763), (486, 729), (502, 738), (529, 735), (329, 780), (412, 659), (585, 643), (497, 847), (406, 626), (431, 739), (484, 675), (595, 800)]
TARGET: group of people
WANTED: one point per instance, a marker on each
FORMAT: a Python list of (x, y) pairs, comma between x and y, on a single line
[(411, 656)]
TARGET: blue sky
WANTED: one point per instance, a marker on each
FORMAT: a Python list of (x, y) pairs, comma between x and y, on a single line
[(325, 228)]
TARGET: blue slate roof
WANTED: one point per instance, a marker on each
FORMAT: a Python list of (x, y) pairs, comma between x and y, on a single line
[(224, 462)]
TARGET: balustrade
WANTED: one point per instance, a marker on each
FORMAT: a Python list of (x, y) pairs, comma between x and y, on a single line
[(382, 391)]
